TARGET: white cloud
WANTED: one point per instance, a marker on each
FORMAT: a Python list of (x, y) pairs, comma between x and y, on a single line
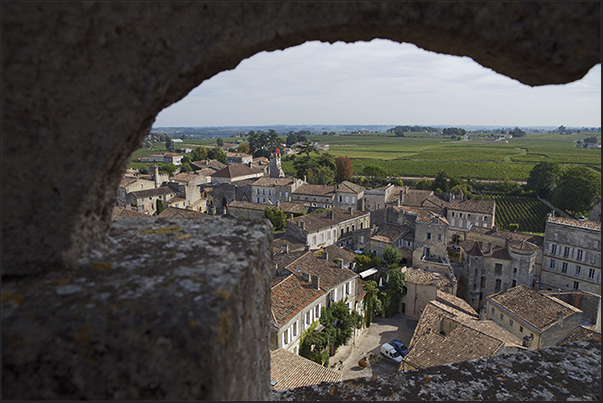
[(379, 82)]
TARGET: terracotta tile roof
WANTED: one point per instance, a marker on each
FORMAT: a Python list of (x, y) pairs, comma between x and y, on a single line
[(267, 181), (249, 205), (215, 164), (390, 232), (422, 199), (582, 333), (394, 195), (418, 276), (127, 181), (509, 235), (470, 338), (523, 245), (461, 344), (289, 296), (456, 303), (294, 208), (236, 170), (186, 176), (474, 206), (329, 272), (537, 309), (161, 191), (596, 225), (120, 212), (316, 190), (477, 248), (290, 370), (283, 260), (174, 212), (316, 221), (350, 187), (282, 238), (335, 252)]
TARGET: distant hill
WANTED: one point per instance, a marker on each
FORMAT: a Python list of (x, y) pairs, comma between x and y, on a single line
[(233, 131)]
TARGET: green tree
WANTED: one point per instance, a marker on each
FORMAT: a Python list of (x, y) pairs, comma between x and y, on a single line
[(344, 169), (543, 178), (307, 147), (395, 291), (424, 184), (170, 169), (220, 142), (169, 145), (320, 175), (374, 171), (199, 154), (217, 154), (314, 345), (440, 183), (577, 190), (371, 301), (339, 323), (159, 207), (277, 217), (392, 256), (367, 261), (244, 148)]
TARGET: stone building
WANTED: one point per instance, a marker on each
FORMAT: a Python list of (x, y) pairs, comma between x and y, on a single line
[(422, 287), (304, 283), (466, 214), (319, 196), (489, 268), (323, 229), (540, 320), (273, 190), (348, 194), (571, 255)]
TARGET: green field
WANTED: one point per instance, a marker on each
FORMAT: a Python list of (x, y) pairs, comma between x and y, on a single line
[(528, 212), (425, 155)]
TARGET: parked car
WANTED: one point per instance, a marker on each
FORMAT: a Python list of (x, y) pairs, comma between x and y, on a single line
[(399, 346), (390, 352)]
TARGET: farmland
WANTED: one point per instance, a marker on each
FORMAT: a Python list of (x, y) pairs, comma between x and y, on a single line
[(425, 155), (528, 212)]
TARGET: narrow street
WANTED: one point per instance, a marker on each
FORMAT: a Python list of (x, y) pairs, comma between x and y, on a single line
[(368, 344)]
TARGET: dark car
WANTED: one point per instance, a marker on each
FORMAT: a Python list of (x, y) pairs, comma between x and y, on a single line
[(399, 346)]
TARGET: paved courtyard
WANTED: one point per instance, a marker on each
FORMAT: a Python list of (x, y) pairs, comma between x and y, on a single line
[(368, 344)]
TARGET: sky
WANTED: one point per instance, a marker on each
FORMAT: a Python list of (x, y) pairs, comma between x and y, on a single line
[(379, 83)]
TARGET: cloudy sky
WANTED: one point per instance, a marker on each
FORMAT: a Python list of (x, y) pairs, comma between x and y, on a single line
[(379, 83)]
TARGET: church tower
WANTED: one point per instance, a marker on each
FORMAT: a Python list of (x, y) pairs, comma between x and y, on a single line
[(275, 165)]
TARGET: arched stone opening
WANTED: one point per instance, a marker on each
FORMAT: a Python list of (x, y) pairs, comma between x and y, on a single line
[(81, 86)]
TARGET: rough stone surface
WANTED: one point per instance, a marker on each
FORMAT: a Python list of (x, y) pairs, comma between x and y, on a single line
[(571, 372), (83, 82), (172, 309)]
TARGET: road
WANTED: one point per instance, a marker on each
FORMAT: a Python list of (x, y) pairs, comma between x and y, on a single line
[(368, 344)]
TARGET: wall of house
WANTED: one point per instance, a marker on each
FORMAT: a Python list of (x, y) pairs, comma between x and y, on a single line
[(417, 297), (576, 238), (560, 330)]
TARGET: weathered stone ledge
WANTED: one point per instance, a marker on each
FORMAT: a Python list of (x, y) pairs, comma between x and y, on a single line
[(169, 309), (570, 372)]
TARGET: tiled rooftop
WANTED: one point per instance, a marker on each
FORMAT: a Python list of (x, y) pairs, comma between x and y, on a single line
[(316, 221), (596, 225), (267, 181), (316, 190), (535, 308), (289, 296), (290, 370), (473, 205), (390, 232)]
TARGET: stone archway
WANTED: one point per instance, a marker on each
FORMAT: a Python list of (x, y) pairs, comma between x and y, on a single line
[(83, 82)]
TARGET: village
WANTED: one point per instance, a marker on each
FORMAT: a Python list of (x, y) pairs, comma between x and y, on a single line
[(470, 289)]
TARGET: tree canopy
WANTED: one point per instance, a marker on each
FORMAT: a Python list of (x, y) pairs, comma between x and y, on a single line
[(543, 178), (277, 217), (577, 190)]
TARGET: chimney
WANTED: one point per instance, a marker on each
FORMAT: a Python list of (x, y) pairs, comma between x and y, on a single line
[(316, 282), (286, 248), (302, 225), (401, 199), (351, 210), (305, 179), (278, 203), (340, 261), (325, 255), (330, 214), (306, 277)]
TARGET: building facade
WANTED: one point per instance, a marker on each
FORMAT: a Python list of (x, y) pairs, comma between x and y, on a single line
[(571, 255)]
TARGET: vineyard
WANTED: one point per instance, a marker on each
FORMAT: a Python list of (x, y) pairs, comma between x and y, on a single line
[(528, 212)]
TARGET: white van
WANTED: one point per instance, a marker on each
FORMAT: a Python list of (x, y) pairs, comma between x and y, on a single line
[(390, 352)]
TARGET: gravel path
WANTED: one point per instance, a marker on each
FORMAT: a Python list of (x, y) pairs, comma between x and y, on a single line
[(368, 344)]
